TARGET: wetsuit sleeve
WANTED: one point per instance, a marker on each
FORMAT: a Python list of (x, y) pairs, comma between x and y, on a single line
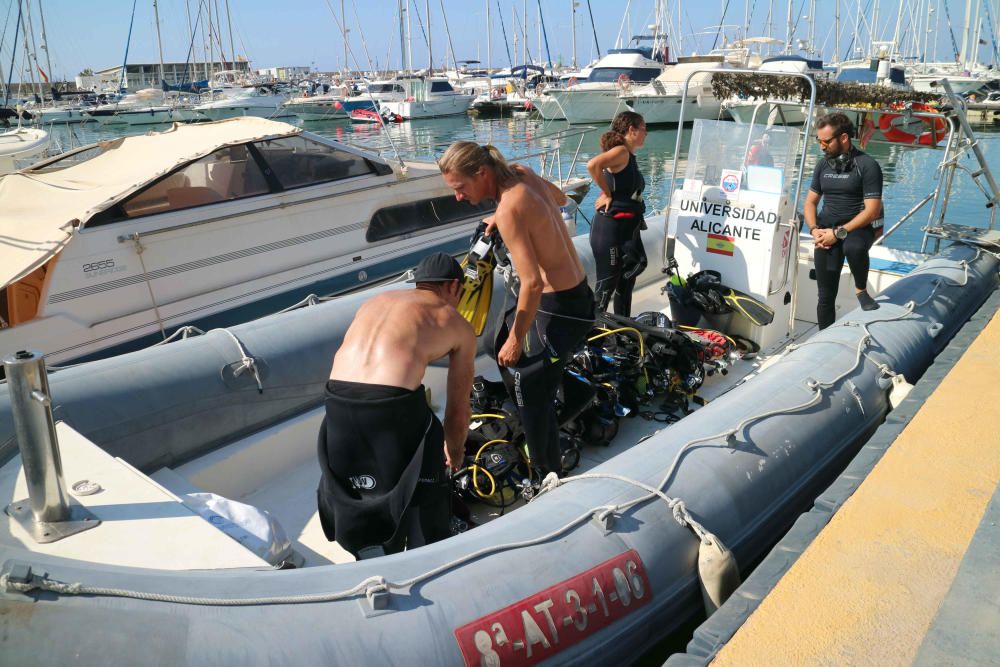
[(871, 179), (816, 185)]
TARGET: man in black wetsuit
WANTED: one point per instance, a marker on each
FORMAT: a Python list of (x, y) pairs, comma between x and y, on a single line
[(555, 306), (850, 184), (382, 451)]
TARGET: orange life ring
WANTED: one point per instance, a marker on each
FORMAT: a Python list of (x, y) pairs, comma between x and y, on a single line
[(937, 128), (571, 82)]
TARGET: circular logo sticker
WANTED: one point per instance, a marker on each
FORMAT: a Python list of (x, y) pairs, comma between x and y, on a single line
[(730, 183)]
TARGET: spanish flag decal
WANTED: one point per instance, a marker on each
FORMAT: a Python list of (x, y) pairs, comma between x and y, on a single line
[(721, 245)]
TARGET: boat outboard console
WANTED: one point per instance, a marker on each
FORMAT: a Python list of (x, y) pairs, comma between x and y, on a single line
[(734, 214)]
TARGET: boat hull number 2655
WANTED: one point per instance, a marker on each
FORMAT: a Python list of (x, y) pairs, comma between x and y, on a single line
[(543, 624)]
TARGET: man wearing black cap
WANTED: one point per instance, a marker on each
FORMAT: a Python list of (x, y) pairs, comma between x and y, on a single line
[(382, 450)]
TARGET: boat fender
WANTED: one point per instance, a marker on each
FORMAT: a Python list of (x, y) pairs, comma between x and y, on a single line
[(718, 573), (900, 389)]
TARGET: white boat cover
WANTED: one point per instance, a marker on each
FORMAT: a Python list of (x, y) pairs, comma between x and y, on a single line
[(38, 211)]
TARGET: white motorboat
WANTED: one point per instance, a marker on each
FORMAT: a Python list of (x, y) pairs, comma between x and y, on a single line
[(61, 115), (316, 107), (926, 78), (428, 97), (112, 246), (880, 71), (113, 113), (259, 101), (329, 106), (177, 110), (660, 100), (599, 98), (986, 109), (20, 145)]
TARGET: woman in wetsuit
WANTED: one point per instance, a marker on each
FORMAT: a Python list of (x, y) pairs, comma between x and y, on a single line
[(614, 232)]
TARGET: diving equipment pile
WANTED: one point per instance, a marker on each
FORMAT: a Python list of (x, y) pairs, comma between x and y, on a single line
[(627, 367), (704, 293), (647, 366)]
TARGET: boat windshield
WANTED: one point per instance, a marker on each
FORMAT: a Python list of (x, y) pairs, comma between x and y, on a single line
[(759, 158), (70, 158), (612, 74), (385, 88)]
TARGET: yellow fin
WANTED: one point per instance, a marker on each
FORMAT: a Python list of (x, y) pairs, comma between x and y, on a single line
[(477, 293)]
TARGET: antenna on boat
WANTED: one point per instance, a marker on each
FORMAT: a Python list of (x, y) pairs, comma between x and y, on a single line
[(46, 513)]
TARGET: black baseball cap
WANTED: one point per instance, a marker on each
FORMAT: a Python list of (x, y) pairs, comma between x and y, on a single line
[(436, 268)]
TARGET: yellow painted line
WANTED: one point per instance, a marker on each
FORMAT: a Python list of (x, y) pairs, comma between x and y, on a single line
[(867, 589)]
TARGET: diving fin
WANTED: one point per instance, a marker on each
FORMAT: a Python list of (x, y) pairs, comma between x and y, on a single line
[(753, 309), (477, 286)]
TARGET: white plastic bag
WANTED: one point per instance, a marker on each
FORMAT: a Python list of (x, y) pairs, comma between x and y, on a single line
[(254, 528)]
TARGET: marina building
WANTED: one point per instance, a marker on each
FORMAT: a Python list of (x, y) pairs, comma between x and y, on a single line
[(147, 75)]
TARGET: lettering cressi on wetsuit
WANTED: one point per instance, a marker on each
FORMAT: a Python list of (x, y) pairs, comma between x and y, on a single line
[(614, 239), (381, 453), (563, 321), (844, 184)]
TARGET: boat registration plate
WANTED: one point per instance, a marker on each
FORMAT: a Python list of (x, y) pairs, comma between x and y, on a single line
[(543, 624)]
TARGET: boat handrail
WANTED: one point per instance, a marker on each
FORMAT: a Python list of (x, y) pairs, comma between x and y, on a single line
[(909, 214), (547, 166)]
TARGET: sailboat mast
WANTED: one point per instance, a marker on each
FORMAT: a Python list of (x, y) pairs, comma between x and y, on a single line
[(402, 35), (409, 37), (593, 27), (159, 42), (875, 12), (430, 52), (45, 43), (31, 53), (812, 27), (963, 54), (451, 44), (524, 29), (489, 40), (208, 35), (572, 5), (192, 52), (974, 42), (789, 29), (513, 27), (343, 25), (229, 22), (836, 28)]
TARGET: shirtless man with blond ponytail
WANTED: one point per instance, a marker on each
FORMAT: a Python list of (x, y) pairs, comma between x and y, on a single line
[(555, 306)]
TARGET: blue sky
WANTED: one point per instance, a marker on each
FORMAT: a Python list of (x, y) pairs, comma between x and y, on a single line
[(92, 33)]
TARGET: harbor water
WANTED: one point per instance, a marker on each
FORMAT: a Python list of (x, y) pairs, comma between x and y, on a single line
[(910, 174)]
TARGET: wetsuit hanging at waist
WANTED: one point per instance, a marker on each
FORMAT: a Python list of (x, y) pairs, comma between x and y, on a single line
[(381, 452)]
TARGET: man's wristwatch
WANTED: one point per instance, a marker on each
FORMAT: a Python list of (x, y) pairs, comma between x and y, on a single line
[(840, 233)]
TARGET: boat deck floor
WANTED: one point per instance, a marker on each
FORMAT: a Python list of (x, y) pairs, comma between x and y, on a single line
[(906, 572), (291, 496)]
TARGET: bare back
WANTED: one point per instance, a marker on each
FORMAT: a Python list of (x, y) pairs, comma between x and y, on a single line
[(528, 215), (396, 335)]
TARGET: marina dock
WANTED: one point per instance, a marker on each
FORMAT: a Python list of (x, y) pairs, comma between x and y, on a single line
[(906, 571)]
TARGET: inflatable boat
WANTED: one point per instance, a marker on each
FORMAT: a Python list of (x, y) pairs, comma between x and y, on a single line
[(595, 569)]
